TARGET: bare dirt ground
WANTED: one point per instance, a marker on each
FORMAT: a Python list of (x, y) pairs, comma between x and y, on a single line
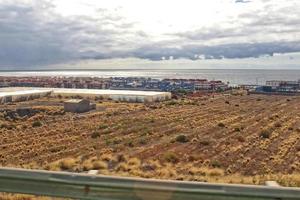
[(240, 139)]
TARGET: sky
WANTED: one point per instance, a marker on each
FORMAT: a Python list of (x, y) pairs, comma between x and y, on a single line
[(38, 34)]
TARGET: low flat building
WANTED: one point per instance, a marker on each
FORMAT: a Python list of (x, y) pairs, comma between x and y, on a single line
[(118, 95), (21, 94)]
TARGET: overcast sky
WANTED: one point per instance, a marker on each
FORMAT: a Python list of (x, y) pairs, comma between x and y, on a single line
[(39, 33)]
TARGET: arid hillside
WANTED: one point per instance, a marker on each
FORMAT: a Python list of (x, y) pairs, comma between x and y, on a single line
[(245, 139)]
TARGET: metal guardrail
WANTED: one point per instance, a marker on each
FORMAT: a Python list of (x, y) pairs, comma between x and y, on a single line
[(84, 186)]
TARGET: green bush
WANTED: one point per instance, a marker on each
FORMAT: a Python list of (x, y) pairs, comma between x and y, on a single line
[(222, 125), (171, 157), (129, 143), (205, 142), (95, 134), (182, 139), (172, 103), (143, 141), (215, 164), (237, 129), (7, 126), (265, 134), (36, 124), (103, 126)]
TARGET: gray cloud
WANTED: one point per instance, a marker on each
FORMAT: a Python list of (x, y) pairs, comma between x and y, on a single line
[(26, 39), (244, 50), (33, 34)]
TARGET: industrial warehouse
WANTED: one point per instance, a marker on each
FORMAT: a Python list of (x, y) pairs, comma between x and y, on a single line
[(23, 94)]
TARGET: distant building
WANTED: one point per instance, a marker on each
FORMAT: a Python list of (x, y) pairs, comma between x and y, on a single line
[(78, 105), (273, 83), (283, 86)]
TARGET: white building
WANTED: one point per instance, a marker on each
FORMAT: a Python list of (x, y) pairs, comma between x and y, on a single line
[(118, 95), (21, 94)]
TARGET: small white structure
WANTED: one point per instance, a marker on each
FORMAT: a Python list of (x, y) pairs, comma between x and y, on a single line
[(77, 105)]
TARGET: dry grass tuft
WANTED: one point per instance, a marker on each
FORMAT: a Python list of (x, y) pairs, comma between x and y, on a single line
[(67, 164), (99, 165)]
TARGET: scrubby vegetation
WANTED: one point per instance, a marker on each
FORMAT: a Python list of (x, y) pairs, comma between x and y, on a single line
[(171, 157), (181, 138), (220, 124), (36, 124), (192, 138), (265, 133)]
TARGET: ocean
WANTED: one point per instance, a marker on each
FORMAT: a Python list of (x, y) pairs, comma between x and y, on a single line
[(233, 76)]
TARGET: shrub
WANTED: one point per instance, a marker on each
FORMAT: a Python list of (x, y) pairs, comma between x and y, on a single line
[(240, 139), (24, 126), (265, 134), (67, 164), (172, 103), (143, 141), (134, 162), (103, 126), (36, 124), (8, 126), (116, 141), (95, 134), (108, 141), (215, 164), (215, 172), (205, 142), (87, 165), (121, 158), (3, 125), (130, 143), (277, 125), (99, 165), (237, 129), (181, 139), (222, 125), (171, 157)]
